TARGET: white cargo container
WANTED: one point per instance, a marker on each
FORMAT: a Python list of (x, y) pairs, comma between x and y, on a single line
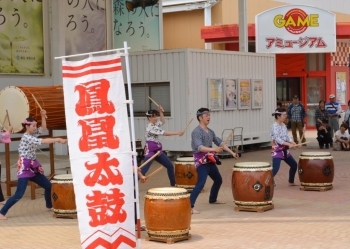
[(186, 71)]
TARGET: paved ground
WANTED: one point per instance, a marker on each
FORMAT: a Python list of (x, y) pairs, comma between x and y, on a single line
[(300, 219)]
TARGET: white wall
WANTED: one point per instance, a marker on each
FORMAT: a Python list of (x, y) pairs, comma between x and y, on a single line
[(187, 71)]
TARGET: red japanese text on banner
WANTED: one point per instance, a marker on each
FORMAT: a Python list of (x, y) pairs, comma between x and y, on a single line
[(99, 149)]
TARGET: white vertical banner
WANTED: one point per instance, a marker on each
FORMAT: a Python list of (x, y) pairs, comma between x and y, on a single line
[(100, 151)]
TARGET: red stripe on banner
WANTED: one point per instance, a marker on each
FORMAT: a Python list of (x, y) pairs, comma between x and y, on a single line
[(92, 64), (92, 71), (115, 244)]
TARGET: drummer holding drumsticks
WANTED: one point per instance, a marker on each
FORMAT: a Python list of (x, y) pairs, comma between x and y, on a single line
[(205, 158), (281, 142), (29, 169)]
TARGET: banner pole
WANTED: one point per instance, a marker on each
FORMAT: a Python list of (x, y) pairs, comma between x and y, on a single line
[(132, 127)]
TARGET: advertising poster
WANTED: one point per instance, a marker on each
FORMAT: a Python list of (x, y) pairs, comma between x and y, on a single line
[(21, 37), (85, 23), (138, 23), (215, 94), (230, 94), (244, 101), (341, 87), (257, 90)]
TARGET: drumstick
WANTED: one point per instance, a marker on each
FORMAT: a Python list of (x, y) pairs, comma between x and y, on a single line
[(228, 137), (155, 103), (36, 101), (150, 159), (155, 172), (188, 125), (8, 117), (299, 144)]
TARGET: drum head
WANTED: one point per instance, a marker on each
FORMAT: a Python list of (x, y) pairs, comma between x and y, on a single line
[(252, 164), (16, 103), (167, 190), (63, 177), (185, 159), (315, 154)]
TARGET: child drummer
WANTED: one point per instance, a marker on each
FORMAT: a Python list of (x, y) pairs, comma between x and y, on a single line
[(29, 169)]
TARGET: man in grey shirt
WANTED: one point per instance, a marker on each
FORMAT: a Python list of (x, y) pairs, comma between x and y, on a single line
[(205, 158)]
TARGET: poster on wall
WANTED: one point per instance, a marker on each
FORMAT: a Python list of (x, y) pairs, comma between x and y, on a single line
[(230, 94), (257, 93), (341, 87), (85, 26), (21, 37), (138, 23), (244, 93), (215, 94)]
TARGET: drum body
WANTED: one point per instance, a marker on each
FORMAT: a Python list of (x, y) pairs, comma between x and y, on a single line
[(252, 184), (316, 169), (20, 104), (185, 173), (62, 195), (167, 212)]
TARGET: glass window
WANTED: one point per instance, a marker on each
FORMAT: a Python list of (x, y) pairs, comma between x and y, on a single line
[(316, 88), (315, 62), (159, 92)]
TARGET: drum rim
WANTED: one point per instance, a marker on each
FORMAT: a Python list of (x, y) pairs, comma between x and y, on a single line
[(163, 190), (315, 153), (251, 164), (189, 159), (63, 177)]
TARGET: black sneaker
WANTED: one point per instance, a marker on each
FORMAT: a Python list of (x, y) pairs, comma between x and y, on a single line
[(321, 147), (327, 146)]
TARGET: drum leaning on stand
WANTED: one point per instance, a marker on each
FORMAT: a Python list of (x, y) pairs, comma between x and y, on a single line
[(20, 104), (63, 197), (185, 173), (252, 186), (316, 171), (167, 213)]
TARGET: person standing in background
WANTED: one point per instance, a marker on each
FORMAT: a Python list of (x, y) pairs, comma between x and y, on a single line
[(334, 109), (296, 114)]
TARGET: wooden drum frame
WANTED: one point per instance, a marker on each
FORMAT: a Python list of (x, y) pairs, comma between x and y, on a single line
[(167, 213), (19, 103), (316, 170), (252, 185), (63, 197), (185, 173)]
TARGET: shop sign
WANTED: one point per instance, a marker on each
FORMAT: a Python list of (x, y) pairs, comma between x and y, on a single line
[(295, 29)]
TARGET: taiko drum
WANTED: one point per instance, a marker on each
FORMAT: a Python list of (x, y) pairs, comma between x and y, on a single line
[(62, 195), (20, 104), (316, 169), (185, 173), (252, 184), (167, 212)]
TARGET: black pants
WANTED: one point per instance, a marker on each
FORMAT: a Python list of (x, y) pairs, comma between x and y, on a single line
[(324, 140)]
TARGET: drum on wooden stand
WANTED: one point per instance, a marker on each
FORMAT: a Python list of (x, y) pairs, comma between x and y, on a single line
[(316, 171), (20, 104), (63, 197), (185, 173), (167, 213), (252, 186)]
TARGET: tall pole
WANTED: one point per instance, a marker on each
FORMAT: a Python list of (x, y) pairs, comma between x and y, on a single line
[(243, 26), (207, 22)]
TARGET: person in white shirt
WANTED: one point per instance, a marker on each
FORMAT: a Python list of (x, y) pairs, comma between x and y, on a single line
[(342, 136)]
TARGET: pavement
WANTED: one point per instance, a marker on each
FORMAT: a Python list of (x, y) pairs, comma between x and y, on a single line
[(300, 219)]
